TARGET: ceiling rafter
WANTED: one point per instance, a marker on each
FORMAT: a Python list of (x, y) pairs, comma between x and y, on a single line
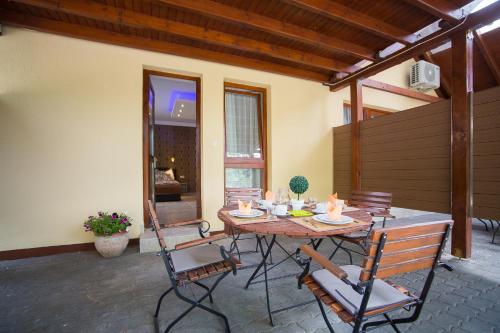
[(438, 8), (475, 20), (109, 37), (263, 23), (490, 60), (101, 12), (356, 19)]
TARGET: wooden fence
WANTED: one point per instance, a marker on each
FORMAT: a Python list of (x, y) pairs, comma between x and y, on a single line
[(408, 153)]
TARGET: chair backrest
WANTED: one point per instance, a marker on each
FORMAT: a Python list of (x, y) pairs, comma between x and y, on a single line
[(156, 224), (371, 201), (232, 195), (398, 250)]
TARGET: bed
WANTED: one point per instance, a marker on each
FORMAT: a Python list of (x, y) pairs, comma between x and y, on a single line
[(166, 187)]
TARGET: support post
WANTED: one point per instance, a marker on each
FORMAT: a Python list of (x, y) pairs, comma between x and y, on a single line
[(461, 128), (356, 118)]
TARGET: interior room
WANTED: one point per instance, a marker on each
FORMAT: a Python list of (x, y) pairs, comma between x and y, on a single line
[(249, 166), (174, 142)]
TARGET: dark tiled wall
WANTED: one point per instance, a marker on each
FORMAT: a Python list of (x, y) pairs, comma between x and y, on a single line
[(179, 142)]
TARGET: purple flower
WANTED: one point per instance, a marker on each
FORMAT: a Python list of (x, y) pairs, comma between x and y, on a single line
[(114, 215)]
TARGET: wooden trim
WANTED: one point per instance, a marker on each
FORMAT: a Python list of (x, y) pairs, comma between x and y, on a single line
[(146, 144), (490, 59), (114, 38), (252, 163), (399, 91), (461, 128), (474, 20), (356, 19), (51, 250), (231, 14), (356, 118)]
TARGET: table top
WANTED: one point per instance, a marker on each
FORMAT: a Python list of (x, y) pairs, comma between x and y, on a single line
[(285, 226)]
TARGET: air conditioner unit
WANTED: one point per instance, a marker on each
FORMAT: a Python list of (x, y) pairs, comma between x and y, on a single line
[(424, 76)]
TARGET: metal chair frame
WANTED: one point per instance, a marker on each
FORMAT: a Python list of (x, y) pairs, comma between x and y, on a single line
[(175, 286), (361, 323)]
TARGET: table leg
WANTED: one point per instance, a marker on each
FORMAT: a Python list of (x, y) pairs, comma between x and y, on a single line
[(264, 257)]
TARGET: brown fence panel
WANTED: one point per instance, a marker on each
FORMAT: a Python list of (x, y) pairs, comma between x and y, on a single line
[(486, 152), (342, 160), (408, 154)]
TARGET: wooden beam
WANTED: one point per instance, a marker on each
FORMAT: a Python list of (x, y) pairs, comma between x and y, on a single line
[(110, 37), (439, 8), (114, 15), (276, 27), (399, 91), (445, 83), (461, 128), (480, 18), (356, 118), (356, 19), (490, 59)]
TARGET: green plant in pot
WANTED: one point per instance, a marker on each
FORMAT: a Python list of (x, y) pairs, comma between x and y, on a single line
[(298, 185), (111, 232)]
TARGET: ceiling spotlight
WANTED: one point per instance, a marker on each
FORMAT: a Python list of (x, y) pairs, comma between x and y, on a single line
[(178, 115), (182, 105), (180, 110)]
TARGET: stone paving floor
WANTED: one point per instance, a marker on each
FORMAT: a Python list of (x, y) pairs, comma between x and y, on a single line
[(81, 292)]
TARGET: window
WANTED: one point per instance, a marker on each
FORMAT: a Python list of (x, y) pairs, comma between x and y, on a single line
[(245, 132), (368, 113)]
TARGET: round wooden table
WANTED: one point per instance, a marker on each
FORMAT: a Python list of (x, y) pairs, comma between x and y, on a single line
[(286, 227)]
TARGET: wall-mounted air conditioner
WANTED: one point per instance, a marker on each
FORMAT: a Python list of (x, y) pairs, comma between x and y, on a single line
[(424, 76)]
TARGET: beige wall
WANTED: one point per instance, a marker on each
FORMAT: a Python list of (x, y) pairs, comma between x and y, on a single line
[(71, 133)]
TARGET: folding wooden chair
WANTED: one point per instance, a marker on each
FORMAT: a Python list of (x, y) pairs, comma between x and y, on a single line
[(357, 294), (232, 195), (192, 262), (378, 204)]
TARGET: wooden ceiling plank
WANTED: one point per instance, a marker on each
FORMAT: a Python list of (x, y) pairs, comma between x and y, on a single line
[(356, 19), (475, 20), (276, 27), (437, 8), (102, 12), (488, 56), (97, 35), (370, 83)]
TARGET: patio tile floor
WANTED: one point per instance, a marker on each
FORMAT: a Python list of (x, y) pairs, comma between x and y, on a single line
[(81, 292)]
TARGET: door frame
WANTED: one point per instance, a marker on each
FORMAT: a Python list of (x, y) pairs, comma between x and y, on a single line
[(146, 142)]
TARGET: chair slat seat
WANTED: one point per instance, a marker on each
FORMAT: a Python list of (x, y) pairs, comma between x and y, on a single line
[(204, 272), (338, 309)]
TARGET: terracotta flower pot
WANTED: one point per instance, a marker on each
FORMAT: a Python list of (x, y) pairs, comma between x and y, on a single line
[(111, 246)]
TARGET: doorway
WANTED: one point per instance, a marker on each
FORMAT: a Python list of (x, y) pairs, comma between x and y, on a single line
[(171, 146)]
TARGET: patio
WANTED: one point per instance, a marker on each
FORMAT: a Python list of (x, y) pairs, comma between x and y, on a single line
[(81, 292)]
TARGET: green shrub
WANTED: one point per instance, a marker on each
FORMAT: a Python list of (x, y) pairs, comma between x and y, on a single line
[(299, 185), (105, 224)]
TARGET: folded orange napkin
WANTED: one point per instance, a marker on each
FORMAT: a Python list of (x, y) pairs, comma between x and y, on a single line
[(269, 196), (245, 207), (334, 212)]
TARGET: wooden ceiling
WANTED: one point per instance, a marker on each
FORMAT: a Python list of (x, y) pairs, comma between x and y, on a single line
[(311, 39)]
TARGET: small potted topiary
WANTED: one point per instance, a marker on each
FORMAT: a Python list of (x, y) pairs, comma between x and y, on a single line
[(298, 185), (111, 232)]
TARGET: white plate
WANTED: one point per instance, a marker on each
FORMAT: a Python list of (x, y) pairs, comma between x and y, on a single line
[(254, 213), (315, 211), (323, 218)]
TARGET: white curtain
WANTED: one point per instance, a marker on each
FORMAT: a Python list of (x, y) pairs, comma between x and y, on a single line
[(242, 125)]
